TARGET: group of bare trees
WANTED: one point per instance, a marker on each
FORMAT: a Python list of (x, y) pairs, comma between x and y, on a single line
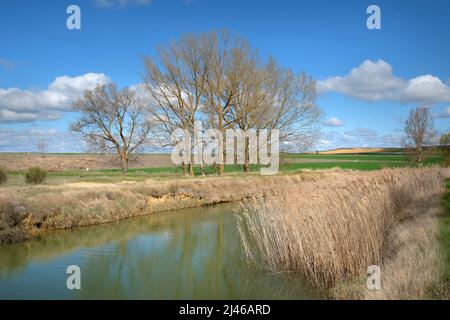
[(218, 79), (215, 78)]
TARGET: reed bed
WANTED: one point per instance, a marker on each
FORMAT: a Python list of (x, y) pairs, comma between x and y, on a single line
[(329, 231)]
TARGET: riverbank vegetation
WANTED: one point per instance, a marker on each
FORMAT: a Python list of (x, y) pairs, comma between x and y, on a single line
[(329, 231), (25, 211)]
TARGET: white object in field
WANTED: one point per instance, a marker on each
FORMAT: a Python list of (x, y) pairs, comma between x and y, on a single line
[(87, 169)]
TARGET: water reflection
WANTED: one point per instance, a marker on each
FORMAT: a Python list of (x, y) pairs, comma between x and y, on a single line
[(188, 254)]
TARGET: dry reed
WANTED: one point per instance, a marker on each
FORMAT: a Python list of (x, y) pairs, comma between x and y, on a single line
[(331, 230)]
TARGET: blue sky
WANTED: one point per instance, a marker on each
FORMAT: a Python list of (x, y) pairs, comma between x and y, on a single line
[(401, 66)]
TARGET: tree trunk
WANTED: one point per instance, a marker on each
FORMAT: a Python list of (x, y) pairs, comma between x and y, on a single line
[(220, 123), (246, 156), (125, 165), (202, 166), (183, 165), (221, 169), (419, 156), (191, 169), (202, 170)]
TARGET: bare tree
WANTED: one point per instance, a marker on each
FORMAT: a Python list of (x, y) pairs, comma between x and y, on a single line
[(271, 97), (248, 104), (174, 82), (419, 129), (221, 79), (293, 107), (41, 147), (243, 92), (112, 121)]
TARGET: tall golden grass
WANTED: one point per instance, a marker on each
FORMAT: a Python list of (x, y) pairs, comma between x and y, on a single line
[(329, 231)]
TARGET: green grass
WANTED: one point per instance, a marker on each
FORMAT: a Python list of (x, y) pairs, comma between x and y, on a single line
[(363, 166), (445, 238), (365, 157)]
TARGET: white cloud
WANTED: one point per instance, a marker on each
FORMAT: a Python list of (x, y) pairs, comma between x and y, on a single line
[(26, 140), (121, 3), (375, 81), (333, 122), (427, 89), (28, 105), (359, 137)]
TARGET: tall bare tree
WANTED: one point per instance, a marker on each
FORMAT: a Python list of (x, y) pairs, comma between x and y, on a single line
[(112, 121), (249, 105), (174, 81), (221, 78), (419, 129), (293, 107), (271, 97)]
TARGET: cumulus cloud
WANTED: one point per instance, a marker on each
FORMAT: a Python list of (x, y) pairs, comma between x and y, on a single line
[(333, 122), (121, 3), (375, 81), (18, 105)]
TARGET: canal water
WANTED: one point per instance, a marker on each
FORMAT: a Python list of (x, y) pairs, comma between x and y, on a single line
[(186, 254)]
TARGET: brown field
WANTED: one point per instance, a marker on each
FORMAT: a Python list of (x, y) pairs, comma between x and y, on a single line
[(359, 150), (70, 162), (77, 162)]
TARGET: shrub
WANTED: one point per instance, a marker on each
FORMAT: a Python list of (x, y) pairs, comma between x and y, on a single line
[(35, 175), (3, 176), (11, 217)]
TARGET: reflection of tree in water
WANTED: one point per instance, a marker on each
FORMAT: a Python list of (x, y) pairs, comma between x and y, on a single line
[(187, 254)]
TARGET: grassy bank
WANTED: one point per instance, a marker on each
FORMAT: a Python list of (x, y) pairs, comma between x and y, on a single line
[(331, 230), (26, 211)]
